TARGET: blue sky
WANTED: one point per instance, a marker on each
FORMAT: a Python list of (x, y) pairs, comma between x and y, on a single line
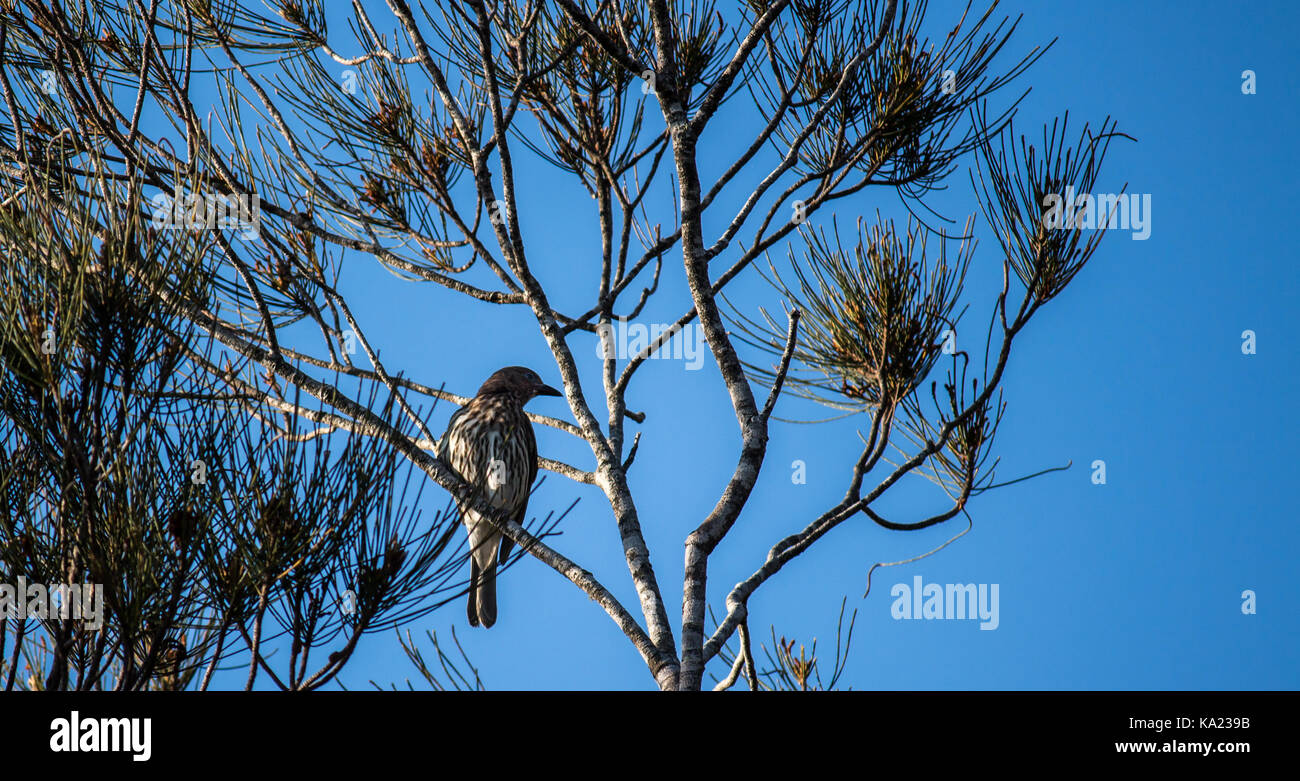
[(1135, 584)]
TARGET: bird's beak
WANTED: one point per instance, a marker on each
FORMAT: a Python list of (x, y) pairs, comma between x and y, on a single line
[(547, 390)]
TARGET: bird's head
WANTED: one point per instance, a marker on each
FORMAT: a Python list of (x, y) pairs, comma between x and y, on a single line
[(518, 381)]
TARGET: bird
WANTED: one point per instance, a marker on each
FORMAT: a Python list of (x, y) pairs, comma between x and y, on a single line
[(490, 443)]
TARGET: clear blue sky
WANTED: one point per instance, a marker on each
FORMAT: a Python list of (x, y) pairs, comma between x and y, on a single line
[(1135, 584)]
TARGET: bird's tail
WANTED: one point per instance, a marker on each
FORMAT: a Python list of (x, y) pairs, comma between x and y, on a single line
[(482, 604), (482, 607)]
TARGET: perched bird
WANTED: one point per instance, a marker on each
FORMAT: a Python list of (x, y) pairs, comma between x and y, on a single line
[(490, 443)]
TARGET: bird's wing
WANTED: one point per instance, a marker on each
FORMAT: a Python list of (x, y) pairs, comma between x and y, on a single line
[(465, 468), (442, 444)]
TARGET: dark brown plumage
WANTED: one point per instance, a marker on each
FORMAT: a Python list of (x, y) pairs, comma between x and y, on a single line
[(490, 443)]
